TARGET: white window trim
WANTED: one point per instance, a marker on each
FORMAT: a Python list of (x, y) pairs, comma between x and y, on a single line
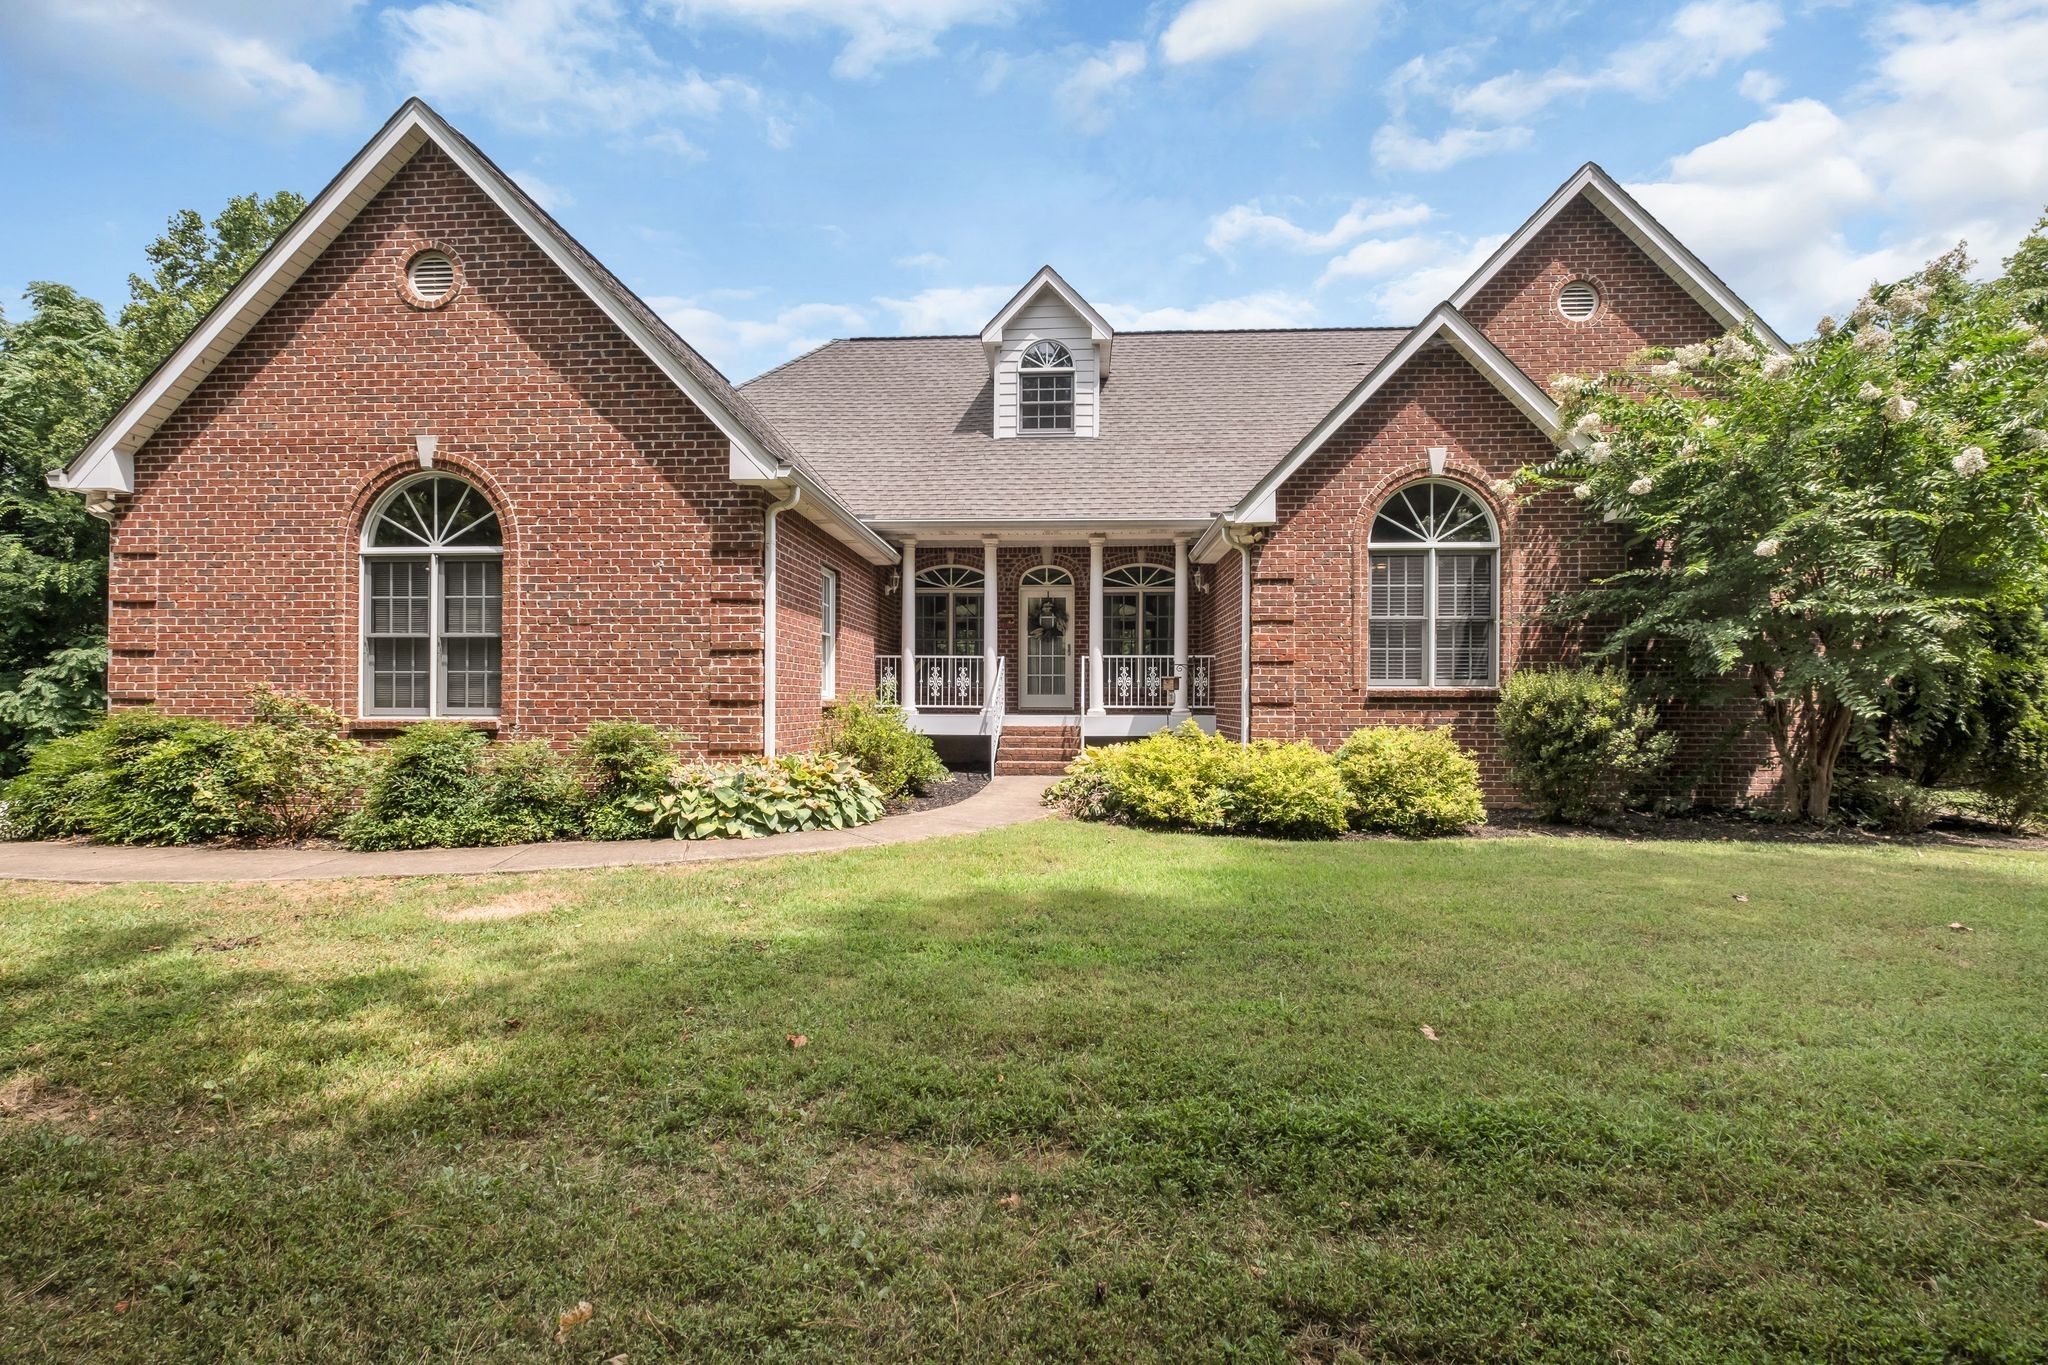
[(436, 557), (828, 634), (1429, 550), (1111, 588), (1073, 388)]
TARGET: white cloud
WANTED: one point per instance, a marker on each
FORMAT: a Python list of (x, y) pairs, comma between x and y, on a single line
[(1380, 256), (922, 260), (1412, 293), (1206, 29), (1085, 96), (739, 342), (947, 311), (538, 65), (1949, 141), (1268, 308), (234, 59), (1761, 86), (877, 32), (1398, 147), (548, 195), (1247, 222), (1700, 40)]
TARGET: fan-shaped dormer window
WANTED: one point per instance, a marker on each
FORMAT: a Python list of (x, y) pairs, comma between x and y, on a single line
[(1435, 589), (433, 601), (1045, 388)]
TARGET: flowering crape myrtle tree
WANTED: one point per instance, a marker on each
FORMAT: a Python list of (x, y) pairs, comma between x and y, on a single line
[(1823, 531)]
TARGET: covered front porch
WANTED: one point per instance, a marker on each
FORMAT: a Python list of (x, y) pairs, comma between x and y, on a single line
[(1098, 637)]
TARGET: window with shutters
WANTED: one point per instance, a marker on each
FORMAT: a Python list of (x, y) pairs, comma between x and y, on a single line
[(1435, 589), (433, 602)]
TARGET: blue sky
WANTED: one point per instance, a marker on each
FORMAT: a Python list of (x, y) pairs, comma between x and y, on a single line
[(772, 173)]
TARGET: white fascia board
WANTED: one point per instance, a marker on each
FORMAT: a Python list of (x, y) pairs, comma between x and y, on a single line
[(333, 210), (816, 505), (937, 530), (1099, 330), (1657, 242), (1444, 324)]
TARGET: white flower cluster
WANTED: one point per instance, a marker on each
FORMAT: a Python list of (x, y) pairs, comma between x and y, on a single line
[(1736, 348), (1599, 453), (2033, 438), (1864, 311), (1870, 393), (1910, 302), (1686, 357), (2038, 346), (1589, 424), (2024, 327), (1959, 368), (1778, 363), (1873, 339), (1767, 548), (1565, 386), (1900, 408), (1709, 422), (1583, 492), (1665, 369), (1826, 326), (1971, 462), (1504, 487), (1640, 487)]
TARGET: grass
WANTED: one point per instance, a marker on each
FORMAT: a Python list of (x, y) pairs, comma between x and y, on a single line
[(1068, 1091)]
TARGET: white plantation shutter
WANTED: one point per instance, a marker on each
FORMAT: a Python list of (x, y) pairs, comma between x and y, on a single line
[(1399, 618), (1433, 617)]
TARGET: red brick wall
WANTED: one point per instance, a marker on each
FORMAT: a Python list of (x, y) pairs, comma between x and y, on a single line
[(1225, 639), (1309, 603), (803, 553), (632, 563), (1640, 305)]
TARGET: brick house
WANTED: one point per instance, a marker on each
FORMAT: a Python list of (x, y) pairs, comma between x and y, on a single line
[(431, 459)]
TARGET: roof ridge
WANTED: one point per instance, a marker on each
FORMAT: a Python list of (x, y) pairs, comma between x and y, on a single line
[(796, 359), (1142, 332)]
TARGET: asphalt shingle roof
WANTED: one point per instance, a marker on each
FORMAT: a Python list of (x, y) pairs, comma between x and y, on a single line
[(1190, 421)]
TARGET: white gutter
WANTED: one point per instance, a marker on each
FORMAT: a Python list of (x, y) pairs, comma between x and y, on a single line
[(768, 591)]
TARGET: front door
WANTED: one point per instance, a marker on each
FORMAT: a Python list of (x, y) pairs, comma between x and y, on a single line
[(1047, 648)]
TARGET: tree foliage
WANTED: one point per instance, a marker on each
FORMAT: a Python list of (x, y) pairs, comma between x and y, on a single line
[(64, 370), (1828, 532)]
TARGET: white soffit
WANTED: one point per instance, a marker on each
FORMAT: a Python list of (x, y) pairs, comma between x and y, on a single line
[(1445, 325), (1657, 242)]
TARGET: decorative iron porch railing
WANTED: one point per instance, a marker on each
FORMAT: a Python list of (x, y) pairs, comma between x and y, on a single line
[(1131, 682), (1138, 682), (938, 682)]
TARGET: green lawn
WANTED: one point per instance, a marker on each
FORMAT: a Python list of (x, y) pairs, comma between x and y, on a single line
[(1069, 1091)]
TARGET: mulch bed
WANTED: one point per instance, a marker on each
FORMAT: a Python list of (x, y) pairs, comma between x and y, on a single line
[(954, 789), (1737, 827)]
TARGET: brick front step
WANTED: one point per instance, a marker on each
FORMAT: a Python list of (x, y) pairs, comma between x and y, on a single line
[(1037, 750)]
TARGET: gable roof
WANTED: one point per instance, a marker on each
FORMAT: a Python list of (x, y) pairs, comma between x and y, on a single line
[(1445, 325), (1099, 329), (759, 453), (1191, 421), (1656, 241)]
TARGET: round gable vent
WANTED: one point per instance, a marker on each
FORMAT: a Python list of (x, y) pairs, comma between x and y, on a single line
[(1578, 301), (431, 276)]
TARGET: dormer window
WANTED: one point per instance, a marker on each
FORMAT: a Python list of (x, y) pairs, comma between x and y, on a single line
[(1045, 400)]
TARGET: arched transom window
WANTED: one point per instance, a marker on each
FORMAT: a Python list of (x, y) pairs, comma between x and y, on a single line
[(1137, 610), (1435, 589), (949, 610), (1045, 388), (433, 601)]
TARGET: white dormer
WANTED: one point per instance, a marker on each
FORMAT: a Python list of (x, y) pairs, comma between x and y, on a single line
[(1049, 351)]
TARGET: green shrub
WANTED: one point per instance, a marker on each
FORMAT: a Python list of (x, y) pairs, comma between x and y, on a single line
[(301, 772), (765, 796), (625, 765), (427, 791), (1411, 781), (875, 738), (1288, 791), (1896, 805), (49, 798), (1186, 780), (1578, 743), (2012, 774), (530, 794)]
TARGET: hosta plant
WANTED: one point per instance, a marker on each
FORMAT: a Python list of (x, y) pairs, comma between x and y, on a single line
[(763, 796)]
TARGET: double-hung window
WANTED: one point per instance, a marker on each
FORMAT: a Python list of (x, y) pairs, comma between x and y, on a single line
[(828, 634), (433, 602), (1045, 388), (1435, 591)]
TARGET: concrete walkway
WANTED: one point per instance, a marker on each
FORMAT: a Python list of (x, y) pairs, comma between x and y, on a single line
[(1005, 801)]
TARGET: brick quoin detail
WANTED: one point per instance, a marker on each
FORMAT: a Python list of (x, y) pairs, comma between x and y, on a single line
[(632, 562), (1640, 305)]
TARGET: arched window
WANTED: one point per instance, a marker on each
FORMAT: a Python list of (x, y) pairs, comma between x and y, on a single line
[(433, 601), (1045, 388), (1435, 589), (949, 610), (1137, 610)]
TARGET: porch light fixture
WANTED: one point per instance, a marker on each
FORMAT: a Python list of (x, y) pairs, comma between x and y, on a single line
[(1201, 578), (894, 583)]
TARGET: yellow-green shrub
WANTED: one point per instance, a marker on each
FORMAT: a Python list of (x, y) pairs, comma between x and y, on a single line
[(1186, 780), (1405, 780)]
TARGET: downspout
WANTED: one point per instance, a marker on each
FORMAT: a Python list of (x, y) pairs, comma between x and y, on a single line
[(1244, 540), (768, 614)]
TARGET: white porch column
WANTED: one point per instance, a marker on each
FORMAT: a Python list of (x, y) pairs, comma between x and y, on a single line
[(1095, 706), (1180, 630), (906, 671), (989, 649)]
